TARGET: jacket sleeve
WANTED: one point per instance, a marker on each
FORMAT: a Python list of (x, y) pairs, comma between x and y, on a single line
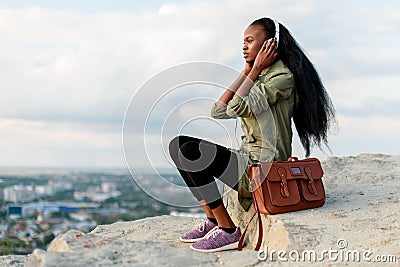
[(263, 94), (218, 112)]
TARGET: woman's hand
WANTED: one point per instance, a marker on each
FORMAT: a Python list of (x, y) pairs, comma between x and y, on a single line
[(264, 59), (266, 56)]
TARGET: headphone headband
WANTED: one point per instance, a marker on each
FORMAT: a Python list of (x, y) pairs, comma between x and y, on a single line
[(276, 31)]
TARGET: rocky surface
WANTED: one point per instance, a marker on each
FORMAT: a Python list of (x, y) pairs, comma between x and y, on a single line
[(13, 260), (361, 215), (147, 242)]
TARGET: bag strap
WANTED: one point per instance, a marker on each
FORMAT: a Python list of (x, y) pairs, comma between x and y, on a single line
[(240, 245), (260, 227)]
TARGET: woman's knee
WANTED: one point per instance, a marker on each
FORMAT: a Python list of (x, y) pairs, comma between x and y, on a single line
[(184, 150), (181, 143), (190, 150)]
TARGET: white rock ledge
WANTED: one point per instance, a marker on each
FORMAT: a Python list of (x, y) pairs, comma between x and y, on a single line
[(362, 207), (147, 242)]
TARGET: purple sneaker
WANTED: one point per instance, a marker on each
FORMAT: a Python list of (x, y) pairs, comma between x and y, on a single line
[(199, 231), (218, 240)]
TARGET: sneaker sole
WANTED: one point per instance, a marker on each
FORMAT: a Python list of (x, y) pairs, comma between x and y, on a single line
[(190, 240), (226, 247)]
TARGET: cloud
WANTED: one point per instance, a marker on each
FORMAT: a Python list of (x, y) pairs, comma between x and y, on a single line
[(358, 134), (361, 92), (85, 66), (372, 134), (67, 67), (51, 144)]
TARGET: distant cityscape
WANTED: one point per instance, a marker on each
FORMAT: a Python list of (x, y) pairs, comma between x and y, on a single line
[(37, 205)]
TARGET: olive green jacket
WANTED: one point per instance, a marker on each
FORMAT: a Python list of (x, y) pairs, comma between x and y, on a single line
[(265, 115)]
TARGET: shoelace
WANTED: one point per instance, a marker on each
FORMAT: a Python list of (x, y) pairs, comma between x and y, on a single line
[(213, 233), (201, 226)]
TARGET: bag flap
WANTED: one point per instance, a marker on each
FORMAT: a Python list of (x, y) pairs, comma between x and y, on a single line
[(296, 169)]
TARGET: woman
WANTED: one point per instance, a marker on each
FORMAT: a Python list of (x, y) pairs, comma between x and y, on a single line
[(278, 79)]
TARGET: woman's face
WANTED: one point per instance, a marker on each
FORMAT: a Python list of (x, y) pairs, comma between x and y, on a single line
[(254, 37)]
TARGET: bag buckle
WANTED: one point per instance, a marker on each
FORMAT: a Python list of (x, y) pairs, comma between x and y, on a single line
[(256, 173), (311, 184), (252, 185), (284, 185)]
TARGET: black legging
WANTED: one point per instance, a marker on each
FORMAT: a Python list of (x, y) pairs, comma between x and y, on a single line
[(199, 161)]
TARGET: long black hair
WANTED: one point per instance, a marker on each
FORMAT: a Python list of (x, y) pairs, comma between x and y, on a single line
[(314, 111)]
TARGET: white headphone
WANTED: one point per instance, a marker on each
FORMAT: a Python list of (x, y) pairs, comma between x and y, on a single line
[(276, 31)]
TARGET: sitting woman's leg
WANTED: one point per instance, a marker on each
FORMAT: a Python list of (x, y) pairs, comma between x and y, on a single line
[(199, 161)]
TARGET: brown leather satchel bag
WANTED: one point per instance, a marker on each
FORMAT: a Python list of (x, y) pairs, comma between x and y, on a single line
[(284, 186)]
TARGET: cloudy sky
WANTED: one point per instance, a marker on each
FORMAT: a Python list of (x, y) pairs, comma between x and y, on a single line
[(69, 69)]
